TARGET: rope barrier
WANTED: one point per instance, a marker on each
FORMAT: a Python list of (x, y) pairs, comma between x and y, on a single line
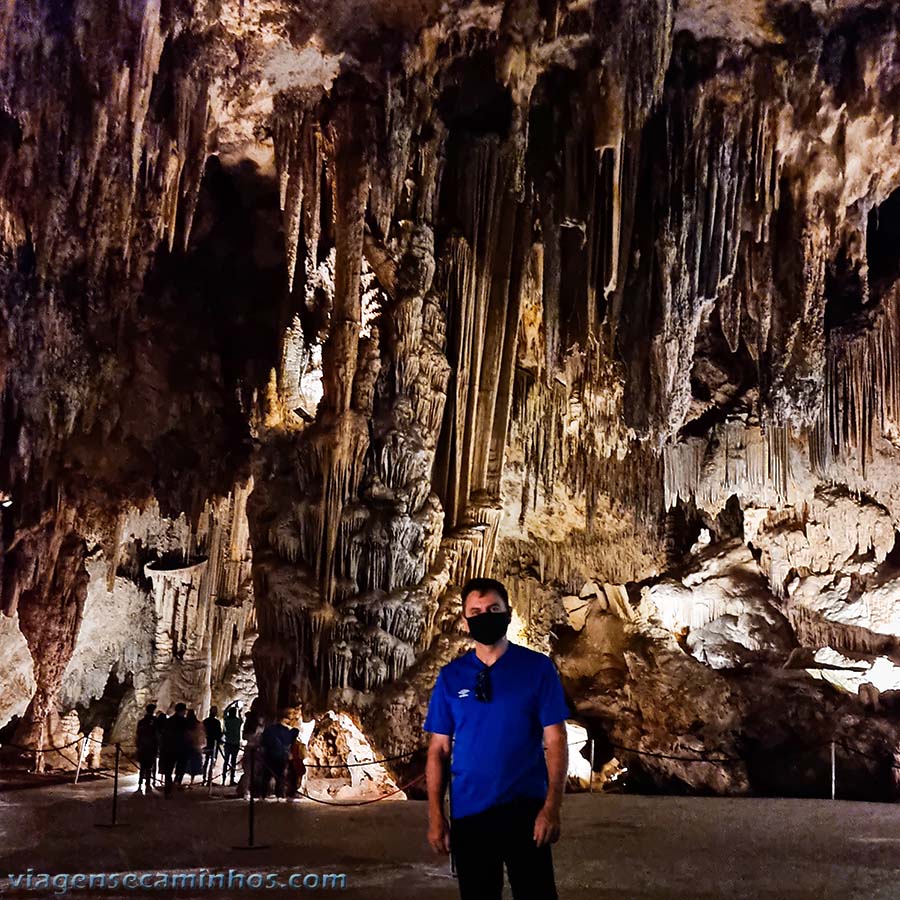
[(55, 749), (703, 759), (308, 796), (103, 773), (862, 753), (402, 787), (739, 759), (220, 750), (371, 762), (411, 753)]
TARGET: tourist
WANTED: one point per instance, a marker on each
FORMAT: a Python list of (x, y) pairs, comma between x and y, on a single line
[(213, 730), (276, 742), (147, 744), (172, 748), (195, 742), (502, 704), (233, 723), (253, 777), (254, 720), (296, 769)]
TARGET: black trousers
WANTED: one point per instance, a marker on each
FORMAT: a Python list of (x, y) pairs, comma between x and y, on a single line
[(167, 762), (209, 762), (503, 835), (275, 771), (147, 772), (231, 752)]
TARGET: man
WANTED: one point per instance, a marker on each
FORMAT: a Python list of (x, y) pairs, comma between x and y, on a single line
[(254, 720), (276, 742), (503, 706), (174, 748), (147, 745), (233, 723), (213, 729)]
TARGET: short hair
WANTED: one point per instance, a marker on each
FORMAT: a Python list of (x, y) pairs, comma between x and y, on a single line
[(151, 708), (284, 712), (485, 586), (180, 707)]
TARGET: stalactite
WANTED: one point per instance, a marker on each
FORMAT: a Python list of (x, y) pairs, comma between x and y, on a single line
[(861, 392), (458, 287), (678, 607), (118, 536), (736, 458), (366, 490), (299, 158), (814, 630), (711, 149), (121, 122), (571, 432)]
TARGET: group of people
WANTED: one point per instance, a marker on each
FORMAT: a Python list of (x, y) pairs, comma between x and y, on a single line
[(171, 747)]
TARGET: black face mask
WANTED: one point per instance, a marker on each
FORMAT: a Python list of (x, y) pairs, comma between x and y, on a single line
[(489, 627)]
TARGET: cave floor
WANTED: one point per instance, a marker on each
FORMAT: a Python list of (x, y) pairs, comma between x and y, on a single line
[(614, 846)]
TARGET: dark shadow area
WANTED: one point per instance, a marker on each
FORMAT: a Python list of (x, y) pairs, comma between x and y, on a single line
[(102, 711), (844, 291), (174, 562), (194, 353), (883, 244), (473, 102)]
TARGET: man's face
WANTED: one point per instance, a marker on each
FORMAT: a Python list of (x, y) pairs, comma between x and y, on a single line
[(476, 604)]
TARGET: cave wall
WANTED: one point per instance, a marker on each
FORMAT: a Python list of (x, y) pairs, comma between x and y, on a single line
[(544, 290)]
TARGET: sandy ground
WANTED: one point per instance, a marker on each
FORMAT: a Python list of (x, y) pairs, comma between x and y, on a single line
[(613, 846)]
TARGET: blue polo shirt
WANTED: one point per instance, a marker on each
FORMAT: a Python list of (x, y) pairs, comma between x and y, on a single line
[(498, 750)]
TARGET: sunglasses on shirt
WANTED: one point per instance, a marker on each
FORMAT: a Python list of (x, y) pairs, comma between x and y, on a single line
[(483, 686)]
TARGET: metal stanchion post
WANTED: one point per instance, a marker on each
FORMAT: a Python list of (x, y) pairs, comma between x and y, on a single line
[(224, 767), (210, 765), (251, 821), (591, 781), (39, 753), (115, 799), (80, 758), (833, 773), (210, 775)]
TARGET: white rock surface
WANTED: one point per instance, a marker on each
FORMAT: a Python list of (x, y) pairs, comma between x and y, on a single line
[(722, 608), (18, 670), (852, 675), (116, 633)]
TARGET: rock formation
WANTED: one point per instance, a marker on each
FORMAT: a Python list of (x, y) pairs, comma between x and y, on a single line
[(312, 311)]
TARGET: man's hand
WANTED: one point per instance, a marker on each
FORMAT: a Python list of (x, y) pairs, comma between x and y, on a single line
[(436, 776), (439, 835), (547, 826)]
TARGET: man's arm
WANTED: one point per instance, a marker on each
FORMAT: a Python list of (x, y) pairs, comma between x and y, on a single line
[(436, 774), (547, 824)]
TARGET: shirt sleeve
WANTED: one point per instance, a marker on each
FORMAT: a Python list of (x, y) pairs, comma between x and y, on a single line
[(440, 716), (552, 705)]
